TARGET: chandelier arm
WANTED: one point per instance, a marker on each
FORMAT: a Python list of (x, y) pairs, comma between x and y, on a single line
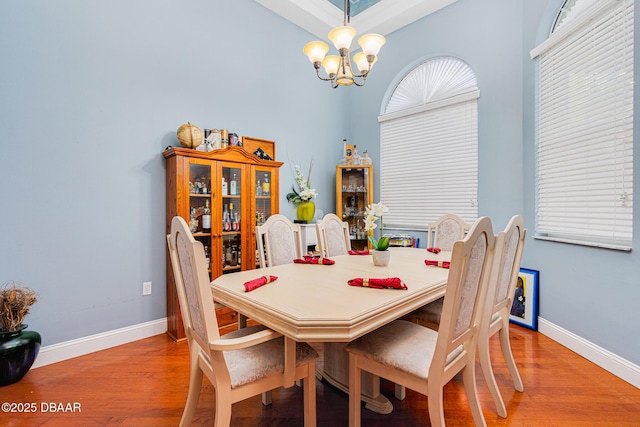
[(353, 73), (364, 80), (326, 79), (364, 74)]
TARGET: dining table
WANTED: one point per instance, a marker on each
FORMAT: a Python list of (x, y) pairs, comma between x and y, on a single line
[(314, 303)]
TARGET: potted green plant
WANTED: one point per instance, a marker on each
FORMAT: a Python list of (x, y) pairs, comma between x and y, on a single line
[(373, 212), (18, 348)]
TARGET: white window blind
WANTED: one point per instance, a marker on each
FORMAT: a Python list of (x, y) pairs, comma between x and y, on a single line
[(585, 127), (429, 146)]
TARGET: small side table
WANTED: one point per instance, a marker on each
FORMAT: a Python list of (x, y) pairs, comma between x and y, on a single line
[(309, 237)]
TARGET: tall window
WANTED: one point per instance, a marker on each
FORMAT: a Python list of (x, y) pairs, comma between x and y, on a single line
[(584, 159), (429, 145)]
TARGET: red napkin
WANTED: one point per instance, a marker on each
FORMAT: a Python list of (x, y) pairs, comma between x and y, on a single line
[(443, 264), (434, 250), (312, 260), (385, 283), (256, 283), (360, 252)]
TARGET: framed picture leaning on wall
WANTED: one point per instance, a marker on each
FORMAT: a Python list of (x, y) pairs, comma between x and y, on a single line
[(524, 310)]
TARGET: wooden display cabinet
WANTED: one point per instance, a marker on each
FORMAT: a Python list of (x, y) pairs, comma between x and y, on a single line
[(354, 191), (238, 190)]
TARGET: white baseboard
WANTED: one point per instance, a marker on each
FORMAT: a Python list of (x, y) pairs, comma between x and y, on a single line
[(611, 362), (607, 360), (69, 349)]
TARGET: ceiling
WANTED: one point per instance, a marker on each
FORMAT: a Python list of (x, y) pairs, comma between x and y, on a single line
[(367, 16), (357, 6)]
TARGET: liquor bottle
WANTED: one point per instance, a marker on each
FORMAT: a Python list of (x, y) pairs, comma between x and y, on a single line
[(235, 251), (234, 254), (259, 189), (233, 186), (355, 157), (227, 253), (225, 219), (206, 217), (204, 187), (366, 160), (266, 187), (224, 257), (224, 138), (193, 221), (207, 257), (224, 187), (236, 222)]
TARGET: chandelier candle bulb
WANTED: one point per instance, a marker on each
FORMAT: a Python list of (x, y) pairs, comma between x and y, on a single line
[(341, 37), (316, 51), (331, 63), (371, 44)]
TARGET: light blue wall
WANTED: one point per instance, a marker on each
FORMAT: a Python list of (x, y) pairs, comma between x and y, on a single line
[(91, 92), (89, 99), (587, 291)]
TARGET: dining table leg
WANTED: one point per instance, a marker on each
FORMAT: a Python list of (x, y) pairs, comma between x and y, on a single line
[(335, 371), (289, 361)]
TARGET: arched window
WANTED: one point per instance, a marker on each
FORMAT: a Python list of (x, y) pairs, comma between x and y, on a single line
[(429, 145), (584, 164)]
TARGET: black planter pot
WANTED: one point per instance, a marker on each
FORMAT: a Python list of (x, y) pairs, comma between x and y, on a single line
[(18, 351)]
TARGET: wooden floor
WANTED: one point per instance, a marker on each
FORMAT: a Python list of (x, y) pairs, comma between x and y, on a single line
[(145, 384)]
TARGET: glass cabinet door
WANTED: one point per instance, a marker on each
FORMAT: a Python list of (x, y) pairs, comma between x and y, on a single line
[(263, 202), (354, 193), (200, 204), (231, 214), (263, 196)]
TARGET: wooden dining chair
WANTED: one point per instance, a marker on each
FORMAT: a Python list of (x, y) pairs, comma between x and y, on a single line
[(504, 277), (496, 319), (333, 236), (446, 230), (442, 233), (240, 364), (425, 360), (279, 241)]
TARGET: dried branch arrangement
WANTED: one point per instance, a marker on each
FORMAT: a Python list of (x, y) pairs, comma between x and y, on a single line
[(15, 301)]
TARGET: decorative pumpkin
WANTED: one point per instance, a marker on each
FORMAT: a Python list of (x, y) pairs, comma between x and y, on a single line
[(189, 136)]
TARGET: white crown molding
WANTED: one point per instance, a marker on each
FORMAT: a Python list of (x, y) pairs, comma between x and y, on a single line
[(320, 16)]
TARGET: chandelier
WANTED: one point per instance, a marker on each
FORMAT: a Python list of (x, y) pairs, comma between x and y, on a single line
[(338, 68)]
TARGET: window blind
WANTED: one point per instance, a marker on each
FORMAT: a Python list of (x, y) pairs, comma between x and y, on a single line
[(429, 163), (584, 179)]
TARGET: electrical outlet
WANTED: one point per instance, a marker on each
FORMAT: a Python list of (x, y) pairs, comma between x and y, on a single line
[(146, 288)]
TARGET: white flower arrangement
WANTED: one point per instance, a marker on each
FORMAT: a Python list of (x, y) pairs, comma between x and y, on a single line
[(373, 212), (304, 192)]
